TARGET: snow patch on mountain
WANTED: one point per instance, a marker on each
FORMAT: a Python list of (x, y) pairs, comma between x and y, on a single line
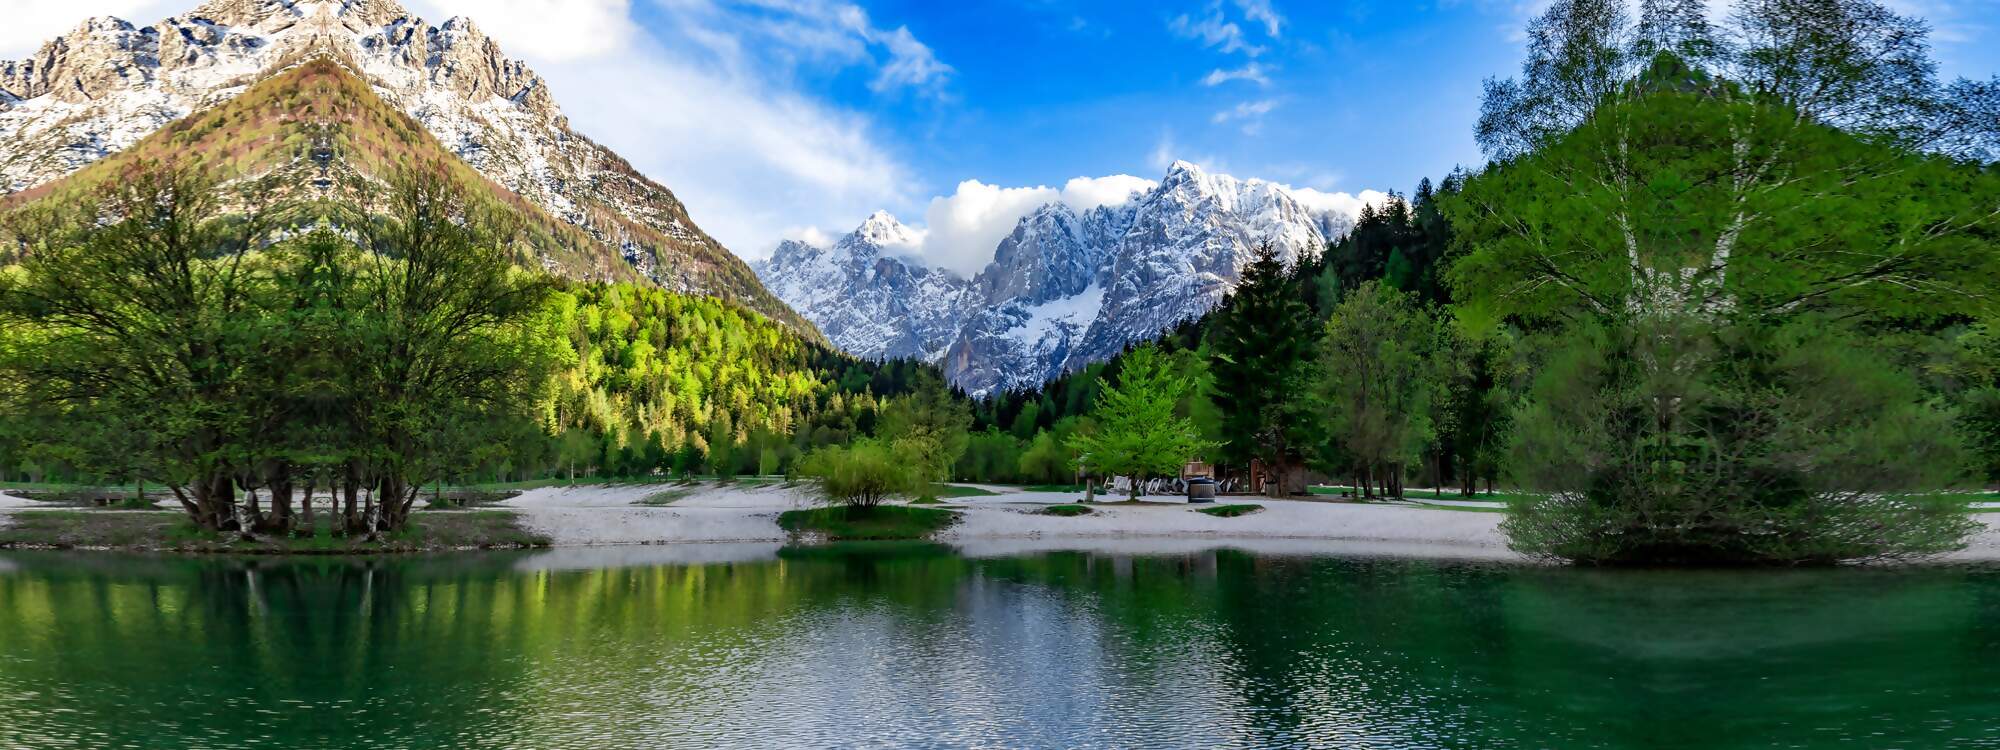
[(1066, 288)]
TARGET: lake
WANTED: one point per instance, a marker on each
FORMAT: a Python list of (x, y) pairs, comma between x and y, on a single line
[(924, 647)]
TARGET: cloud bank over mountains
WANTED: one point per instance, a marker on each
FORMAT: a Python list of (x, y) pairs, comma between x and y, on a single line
[(960, 231)]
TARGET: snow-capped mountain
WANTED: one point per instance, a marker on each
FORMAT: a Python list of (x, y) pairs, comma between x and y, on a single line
[(105, 86), (1065, 289), (868, 299)]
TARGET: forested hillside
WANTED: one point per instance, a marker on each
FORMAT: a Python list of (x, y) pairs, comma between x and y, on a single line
[(656, 382)]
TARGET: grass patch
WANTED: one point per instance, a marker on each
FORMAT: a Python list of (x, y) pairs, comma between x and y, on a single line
[(885, 522), (1230, 511), (1426, 494), (668, 497), (1460, 508), (462, 499), (1053, 488), (951, 490), (74, 529), (171, 532), (927, 501), (1067, 511)]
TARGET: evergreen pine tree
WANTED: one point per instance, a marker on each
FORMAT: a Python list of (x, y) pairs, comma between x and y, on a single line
[(1259, 343)]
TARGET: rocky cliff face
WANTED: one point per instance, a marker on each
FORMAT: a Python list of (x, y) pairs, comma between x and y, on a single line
[(105, 86), (1066, 288)]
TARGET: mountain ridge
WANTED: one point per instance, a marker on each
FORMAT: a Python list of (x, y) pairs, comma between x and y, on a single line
[(1066, 287)]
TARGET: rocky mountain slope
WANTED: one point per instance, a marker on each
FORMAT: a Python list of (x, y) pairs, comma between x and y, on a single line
[(1065, 289), (103, 88)]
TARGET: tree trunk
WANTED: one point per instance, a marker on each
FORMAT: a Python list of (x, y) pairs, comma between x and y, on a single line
[(351, 515), (306, 503), (281, 505), (1468, 479), (222, 502), (189, 505)]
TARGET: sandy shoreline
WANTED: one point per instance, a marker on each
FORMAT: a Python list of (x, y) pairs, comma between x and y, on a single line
[(745, 516), (587, 516)]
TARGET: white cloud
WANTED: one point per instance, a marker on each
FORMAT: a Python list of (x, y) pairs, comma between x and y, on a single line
[(1215, 32), (1345, 204), (545, 30), (1086, 193), (1254, 72), (813, 236), (30, 23), (961, 231), (1251, 114), (1261, 12), (910, 64), (964, 228), (1246, 111), (786, 34), (707, 102)]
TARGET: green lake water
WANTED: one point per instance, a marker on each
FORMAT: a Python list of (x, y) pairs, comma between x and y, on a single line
[(923, 647)]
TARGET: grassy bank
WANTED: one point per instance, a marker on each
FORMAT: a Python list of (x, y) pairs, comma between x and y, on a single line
[(165, 531), (887, 522), (1230, 511), (1429, 494)]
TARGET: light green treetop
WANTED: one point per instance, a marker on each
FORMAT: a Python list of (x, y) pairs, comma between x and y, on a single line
[(1139, 432)]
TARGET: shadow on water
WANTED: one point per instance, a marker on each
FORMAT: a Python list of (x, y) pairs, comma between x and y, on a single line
[(926, 645)]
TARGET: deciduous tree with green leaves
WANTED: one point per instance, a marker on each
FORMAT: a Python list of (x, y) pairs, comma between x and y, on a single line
[(1139, 434), (1381, 370), (931, 428)]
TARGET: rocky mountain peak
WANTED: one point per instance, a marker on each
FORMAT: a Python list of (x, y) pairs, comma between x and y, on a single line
[(1066, 287), (883, 230)]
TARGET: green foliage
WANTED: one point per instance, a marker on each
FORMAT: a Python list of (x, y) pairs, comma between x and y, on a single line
[(1260, 339), (1687, 443), (929, 429), (1684, 226), (1138, 433), (864, 475), (1381, 372), (1704, 229), (990, 456), (1067, 511), (1048, 459)]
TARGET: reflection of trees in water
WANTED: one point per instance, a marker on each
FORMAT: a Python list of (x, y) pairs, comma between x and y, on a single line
[(1766, 658), (1212, 648), (148, 650)]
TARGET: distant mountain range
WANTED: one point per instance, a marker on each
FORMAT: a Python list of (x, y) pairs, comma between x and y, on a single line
[(1065, 289), (328, 96)]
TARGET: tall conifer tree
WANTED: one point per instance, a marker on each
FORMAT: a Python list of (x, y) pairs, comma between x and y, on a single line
[(1260, 342)]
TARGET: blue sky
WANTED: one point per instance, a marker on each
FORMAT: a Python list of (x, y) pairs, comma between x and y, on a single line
[(797, 118)]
